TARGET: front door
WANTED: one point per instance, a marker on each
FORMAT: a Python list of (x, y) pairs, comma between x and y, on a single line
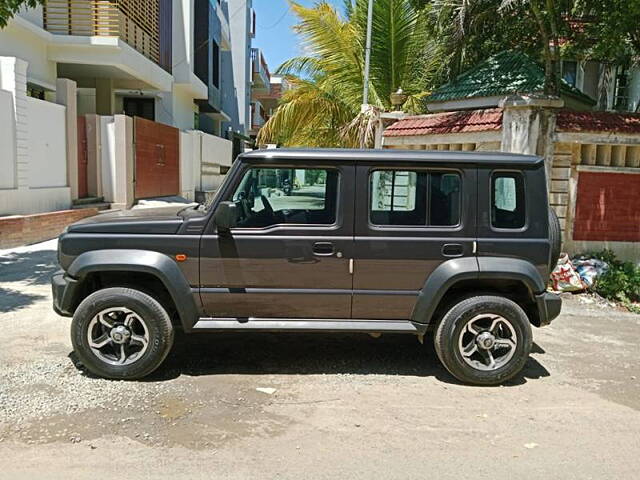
[(289, 255), (411, 220)]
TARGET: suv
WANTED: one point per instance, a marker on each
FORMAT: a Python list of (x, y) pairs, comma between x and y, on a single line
[(366, 241)]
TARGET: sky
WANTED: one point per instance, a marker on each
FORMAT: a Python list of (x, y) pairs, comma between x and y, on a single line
[(274, 35)]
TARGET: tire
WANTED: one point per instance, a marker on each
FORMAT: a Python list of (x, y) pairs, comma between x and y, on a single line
[(149, 339), (555, 239), (480, 313)]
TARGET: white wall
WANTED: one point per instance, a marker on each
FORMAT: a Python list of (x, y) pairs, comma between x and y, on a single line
[(47, 144), (7, 141), (24, 43), (107, 149), (204, 159)]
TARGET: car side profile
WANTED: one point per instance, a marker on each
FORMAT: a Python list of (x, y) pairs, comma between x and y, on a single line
[(456, 244)]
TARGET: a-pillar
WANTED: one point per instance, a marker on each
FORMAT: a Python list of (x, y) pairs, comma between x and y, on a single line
[(13, 78), (105, 99), (528, 126), (66, 94)]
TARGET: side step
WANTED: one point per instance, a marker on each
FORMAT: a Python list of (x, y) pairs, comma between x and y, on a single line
[(300, 325)]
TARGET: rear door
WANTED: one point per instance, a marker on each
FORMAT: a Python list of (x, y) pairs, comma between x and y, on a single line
[(409, 220), (289, 255)]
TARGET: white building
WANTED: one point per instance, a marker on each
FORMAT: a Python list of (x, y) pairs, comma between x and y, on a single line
[(161, 60)]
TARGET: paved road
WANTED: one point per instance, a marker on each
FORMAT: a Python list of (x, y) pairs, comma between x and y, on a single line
[(344, 406)]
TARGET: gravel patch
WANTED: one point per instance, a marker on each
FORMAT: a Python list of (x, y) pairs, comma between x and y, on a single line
[(44, 388)]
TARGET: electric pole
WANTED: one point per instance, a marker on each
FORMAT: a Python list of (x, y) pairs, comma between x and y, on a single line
[(367, 56)]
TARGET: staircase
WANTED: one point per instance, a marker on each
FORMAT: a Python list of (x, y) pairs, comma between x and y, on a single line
[(90, 202)]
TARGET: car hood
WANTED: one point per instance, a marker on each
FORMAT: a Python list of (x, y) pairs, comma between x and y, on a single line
[(162, 220)]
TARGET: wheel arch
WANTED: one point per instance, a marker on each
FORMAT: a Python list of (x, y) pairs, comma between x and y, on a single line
[(109, 265), (458, 278)]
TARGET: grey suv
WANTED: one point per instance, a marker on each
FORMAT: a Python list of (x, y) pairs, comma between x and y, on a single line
[(328, 241)]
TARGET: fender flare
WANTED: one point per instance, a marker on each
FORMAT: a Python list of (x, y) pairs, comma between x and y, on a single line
[(448, 273), (157, 264)]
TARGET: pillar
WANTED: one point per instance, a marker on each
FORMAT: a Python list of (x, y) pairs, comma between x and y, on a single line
[(13, 78), (528, 126), (105, 99), (66, 94)]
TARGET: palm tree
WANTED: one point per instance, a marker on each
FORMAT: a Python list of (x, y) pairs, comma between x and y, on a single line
[(324, 106)]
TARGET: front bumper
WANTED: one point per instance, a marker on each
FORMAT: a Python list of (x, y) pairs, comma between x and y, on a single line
[(549, 306), (63, 288)]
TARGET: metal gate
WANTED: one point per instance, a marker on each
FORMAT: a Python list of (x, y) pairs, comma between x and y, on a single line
[(157, 159)]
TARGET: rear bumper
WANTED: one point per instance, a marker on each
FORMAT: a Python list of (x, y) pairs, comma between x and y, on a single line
[(63, 288), (549, 306)]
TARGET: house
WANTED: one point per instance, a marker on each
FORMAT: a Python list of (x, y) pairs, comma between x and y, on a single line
[(264, 101), (110, 102), (592, 157)]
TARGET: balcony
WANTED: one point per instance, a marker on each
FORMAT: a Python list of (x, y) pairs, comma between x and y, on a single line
[(258, 116), (260, 77), (136, 22)]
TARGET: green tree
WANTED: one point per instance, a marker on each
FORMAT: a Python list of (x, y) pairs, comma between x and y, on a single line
[(8, 8), (324, 107)]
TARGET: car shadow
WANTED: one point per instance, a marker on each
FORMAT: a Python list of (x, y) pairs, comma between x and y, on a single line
[(251, 353), (33, 268)]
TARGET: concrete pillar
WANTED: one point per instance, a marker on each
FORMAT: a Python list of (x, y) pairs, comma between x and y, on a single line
[(13, 78), (105, 99), (94, 155), (528, 126), (124, 162), (66, 94)]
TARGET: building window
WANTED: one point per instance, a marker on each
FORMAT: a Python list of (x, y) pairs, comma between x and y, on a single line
[(35, 91), (140, 107), (507, 200), (215, 64), (622, 90), (410, 198), (274, 196), (570, 72), (201, 40)]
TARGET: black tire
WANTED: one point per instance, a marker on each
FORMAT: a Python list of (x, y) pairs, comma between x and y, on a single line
[(157, 321), (555, 238), (450, 328)]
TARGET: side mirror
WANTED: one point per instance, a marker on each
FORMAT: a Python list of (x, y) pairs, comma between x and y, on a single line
[(226, 216)]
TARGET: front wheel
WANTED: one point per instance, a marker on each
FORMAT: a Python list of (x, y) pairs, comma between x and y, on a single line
[(484, 340), (121, 333)]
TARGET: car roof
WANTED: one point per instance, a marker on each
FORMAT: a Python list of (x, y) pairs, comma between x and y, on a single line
[(394, 155)]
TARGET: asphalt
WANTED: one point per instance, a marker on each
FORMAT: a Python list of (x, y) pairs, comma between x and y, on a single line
[(343, 407)]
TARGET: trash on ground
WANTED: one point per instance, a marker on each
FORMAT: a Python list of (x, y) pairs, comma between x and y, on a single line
[(267, 390), (589, 269), (565, 278)]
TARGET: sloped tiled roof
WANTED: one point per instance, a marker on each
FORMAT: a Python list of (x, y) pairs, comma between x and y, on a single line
[(450, 122), (504, 73), (571, 121)]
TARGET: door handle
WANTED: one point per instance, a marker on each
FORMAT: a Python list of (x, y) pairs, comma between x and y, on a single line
[(452, 250), (323, 249)]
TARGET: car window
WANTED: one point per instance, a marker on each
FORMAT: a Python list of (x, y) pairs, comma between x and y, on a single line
[(507, 202), (414, 198), (272, 196)]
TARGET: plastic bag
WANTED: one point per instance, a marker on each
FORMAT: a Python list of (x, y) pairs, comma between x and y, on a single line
[(565, 278), (589, 269)]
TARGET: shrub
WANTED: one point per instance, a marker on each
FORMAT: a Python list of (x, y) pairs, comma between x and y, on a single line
[(620, 282)]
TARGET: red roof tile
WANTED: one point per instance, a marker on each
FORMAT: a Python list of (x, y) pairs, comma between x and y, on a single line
[(570, 121), (449, 122)]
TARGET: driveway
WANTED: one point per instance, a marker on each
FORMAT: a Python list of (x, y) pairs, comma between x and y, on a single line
[(347, 406)]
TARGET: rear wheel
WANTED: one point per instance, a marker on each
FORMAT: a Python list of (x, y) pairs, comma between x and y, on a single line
[(484, 340), (121, 333)]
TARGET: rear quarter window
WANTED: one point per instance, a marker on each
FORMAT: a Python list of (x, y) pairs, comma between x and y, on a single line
[(508, 209)]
